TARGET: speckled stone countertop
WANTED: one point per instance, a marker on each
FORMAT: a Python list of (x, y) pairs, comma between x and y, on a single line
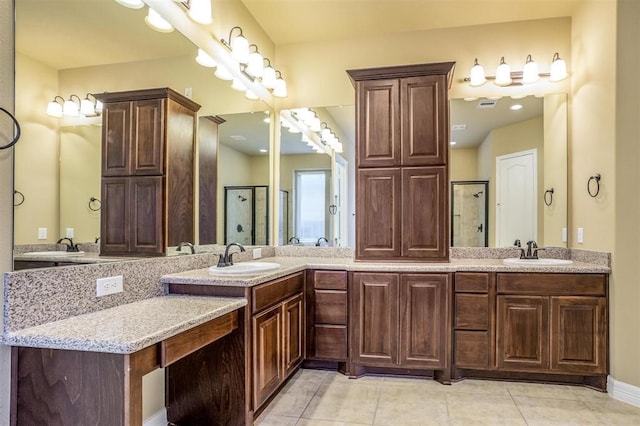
[(291, 265), (126, 328), (84, 257)]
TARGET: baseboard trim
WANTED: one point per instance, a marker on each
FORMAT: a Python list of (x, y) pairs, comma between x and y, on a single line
[(158, 419), (623, 391)]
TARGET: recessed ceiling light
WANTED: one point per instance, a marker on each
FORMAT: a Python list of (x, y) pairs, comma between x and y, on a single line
[(238, 138), (263, 150), (452, 142), (515, 107), (456, 127)]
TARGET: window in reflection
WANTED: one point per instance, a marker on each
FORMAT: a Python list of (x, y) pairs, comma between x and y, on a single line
[(312, 196)]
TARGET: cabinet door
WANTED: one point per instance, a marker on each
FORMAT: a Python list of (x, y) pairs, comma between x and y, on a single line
[(523, 333), (267, 354), (116, 137), (374, 318), (115, 219), (424, 325), (293, 333), (425, 203), (147, 138), (425, 120), (378, 127), (579, 334), (378, 215), (146, 203)]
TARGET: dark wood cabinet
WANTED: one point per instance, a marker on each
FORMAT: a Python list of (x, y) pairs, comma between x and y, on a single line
[(402, 145), (148, 142), (399, 320), (327, 316), (278, 334), (208, 178)]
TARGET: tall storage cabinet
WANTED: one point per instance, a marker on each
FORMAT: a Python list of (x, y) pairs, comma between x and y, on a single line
[(148, 142), (402, 152)]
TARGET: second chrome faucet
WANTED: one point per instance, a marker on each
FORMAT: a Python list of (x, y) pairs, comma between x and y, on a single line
[(227, 258)]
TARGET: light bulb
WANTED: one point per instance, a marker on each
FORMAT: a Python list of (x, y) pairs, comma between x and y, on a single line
[(157, 22), (205, 60), (280, 88), (477, 77), (503, 74), (255, 65), (240, 49), (558, 69), (200, 11), (269, 77), (87, 108), (54, 109), (70, 108), (530, 71)]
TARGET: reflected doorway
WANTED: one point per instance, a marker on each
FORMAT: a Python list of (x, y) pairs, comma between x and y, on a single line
[(469, 213)]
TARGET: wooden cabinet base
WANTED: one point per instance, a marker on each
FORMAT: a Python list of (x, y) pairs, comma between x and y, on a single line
[(598, 382), (356, 370)]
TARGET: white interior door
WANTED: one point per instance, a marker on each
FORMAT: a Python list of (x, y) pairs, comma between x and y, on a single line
[(516, 207)]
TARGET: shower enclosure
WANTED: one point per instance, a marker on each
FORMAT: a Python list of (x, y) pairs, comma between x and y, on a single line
[(246, 215), (469, 213)]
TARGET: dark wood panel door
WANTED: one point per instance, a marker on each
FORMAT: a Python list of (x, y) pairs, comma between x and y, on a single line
[(147, 215), (293, 333), (267, 354), (425, 120), (522, 333), (425, 203), (374, 318), (378, 127), (424, 325), (147, 139), (578, 334), (330, 342), (115, 216), (472, 349), (378, 216), (116, 137)]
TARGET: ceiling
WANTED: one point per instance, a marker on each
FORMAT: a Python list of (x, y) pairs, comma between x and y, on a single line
[(77, 33)]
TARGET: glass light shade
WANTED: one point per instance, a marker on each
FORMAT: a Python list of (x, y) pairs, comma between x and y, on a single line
[(530, 71), (240, 49), (558, 69), (255, 65), (269, 77), (249, 94), (503, 74), (477, 76), (285, 123), (54, 109), (87, 108), (223, 73), (238, 85), (280, 88), (131, 4), (325, 134), (338, 147), (205, 60), (200, 11), (294, 129), (99, 107), (315, 124), (157, 22), (70, 108)]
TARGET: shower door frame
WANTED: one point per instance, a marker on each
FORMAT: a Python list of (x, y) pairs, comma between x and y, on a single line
[(486, 207), (253, 209)]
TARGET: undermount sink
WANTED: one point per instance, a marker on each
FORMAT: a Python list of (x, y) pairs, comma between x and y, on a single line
[(537, 262), (57, 253), (245, 268)]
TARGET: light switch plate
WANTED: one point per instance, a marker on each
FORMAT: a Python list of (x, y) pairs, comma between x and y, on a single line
[(109, 285), (257, 253), (580, 235), (564, 235), (69, 233), (42, 233)]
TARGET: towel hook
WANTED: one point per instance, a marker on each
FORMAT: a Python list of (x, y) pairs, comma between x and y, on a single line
[(21, 195), (550, 198), (596, 178), (92, 204), (17, 126)]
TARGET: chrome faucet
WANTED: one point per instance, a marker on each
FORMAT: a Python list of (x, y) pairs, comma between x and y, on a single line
[(70, 247), (227, 258), (294, 240), (531, 252), (186, 244), (321, 238)]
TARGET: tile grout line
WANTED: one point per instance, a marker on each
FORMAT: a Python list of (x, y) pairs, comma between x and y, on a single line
[(313, 396), (517, 407)]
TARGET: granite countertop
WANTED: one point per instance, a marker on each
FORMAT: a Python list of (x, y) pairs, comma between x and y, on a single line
[(291, 265), (80, 258), (126, 328)]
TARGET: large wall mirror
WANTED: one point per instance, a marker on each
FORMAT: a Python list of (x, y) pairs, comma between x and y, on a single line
[(516, 149)]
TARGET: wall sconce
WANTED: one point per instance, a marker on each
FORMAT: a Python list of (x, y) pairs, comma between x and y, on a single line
[(90, 108), (529, 74), (71, 108), (58, 107), (54, 108)]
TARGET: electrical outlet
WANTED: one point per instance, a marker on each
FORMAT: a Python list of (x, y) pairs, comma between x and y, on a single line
[(109, 285), (257, 253), (42, 233), (564, 235), (69, 233), (188, 92), (580, 235)]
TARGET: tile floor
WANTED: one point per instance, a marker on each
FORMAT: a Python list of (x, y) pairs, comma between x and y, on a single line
[(314, 397)]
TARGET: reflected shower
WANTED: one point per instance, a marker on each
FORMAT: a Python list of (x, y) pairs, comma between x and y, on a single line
[(477, 194)]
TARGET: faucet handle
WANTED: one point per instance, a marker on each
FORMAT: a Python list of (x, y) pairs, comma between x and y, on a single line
[(221, 262)]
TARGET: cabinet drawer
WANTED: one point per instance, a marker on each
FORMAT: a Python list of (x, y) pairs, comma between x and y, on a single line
[(467, 282), (330, 280), (331, 307), (472, 349), (270, 293), (331, 342), (472, 311), (542, 284)]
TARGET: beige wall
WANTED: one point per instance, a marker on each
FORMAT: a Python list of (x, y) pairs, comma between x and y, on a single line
[(464, 164)]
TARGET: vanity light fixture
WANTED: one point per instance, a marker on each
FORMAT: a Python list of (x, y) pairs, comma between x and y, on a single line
[(54, 108), (200, 11), (255, 63), (205, 60), (223, 73), (71, 108), (238, 85), (250, 94), (280, 87), (268, 75), (89, 108), (239, 46), (157, 22), (529, 74), (131, 4)]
